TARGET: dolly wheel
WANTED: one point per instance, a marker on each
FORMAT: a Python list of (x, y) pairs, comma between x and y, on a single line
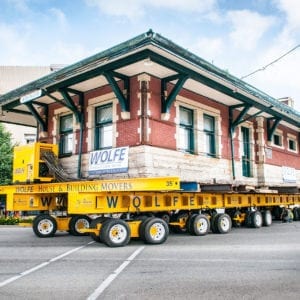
[(223, 223), (154, 231), (200, 225), (267, 218), (256, 219), (44, 226), (77, 223), (115, 233)]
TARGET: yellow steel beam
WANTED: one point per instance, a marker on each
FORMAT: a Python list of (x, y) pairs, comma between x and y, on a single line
[(98, 197), (117, 185)]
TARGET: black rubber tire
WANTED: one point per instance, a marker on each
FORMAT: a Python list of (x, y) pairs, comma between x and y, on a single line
[(296, 213), (256, 219), (154, 231), (267, 218), (44, 226), (115, 233), (189, 223), (248, 219), (277, 212), (93, 224), (223, 223), (142, 228), (200, 225), (213, 222), (77, 222)]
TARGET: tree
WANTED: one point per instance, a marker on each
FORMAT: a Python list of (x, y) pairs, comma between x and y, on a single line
[(6, 156)]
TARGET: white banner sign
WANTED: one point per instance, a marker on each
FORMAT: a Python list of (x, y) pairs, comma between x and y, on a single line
[(109, 161), (289, 175)]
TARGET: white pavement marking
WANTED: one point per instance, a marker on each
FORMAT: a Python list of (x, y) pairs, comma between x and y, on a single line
[(42, 265), (100, 289)]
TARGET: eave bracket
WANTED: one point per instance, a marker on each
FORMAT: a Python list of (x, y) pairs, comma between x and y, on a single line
[(166, 102), (123, 99), (272, 124)]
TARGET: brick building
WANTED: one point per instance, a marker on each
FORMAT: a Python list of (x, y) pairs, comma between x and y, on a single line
[(171, 112)]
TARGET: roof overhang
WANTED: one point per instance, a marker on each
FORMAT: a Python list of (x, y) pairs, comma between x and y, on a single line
[(147, 53)]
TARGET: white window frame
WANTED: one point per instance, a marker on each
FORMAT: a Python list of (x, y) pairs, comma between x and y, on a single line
[(199, 111), (291, 137), (280, 134), (58, 113), (90, 125)]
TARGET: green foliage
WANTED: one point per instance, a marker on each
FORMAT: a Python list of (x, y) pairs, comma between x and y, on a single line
[(6, 156), (9, 221), (14, 221)]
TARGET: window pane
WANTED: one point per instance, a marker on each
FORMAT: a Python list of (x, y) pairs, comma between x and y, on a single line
[(106, 136), (292, 145), (104, 114), (66, 123), (277, 139), (209, 131), (208, 144), (67, 143), (66, 134), (186, 116), (104, 128), (208, 123), (184, 139), (186, 131)]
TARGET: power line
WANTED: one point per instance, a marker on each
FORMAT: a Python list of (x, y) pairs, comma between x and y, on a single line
[(271, 63)]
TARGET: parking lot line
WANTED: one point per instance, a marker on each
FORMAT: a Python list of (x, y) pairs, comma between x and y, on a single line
[(42, 265), (114, 274)]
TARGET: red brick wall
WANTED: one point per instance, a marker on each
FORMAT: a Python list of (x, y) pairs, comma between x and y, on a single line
[(162, 132), (284, 157)]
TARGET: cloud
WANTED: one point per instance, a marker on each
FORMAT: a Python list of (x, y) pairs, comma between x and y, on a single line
[(130, 9), (280, 79), (20, 5), (209, 48), (248, 28), (67, 53), (291, 8), (13, 44), (135, 9), (185, 6), (60, 17)]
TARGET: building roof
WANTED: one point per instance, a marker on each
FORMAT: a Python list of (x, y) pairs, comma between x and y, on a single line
[(147, 53), (16, 76)]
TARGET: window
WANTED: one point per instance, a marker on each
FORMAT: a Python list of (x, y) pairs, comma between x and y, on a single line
[(66, 135), (246, 159), (292, 144), (277, 139), (209, 131), (103, 127), (186, 139)]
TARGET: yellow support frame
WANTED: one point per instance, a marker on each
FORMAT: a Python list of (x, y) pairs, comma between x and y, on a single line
[(129, 195)]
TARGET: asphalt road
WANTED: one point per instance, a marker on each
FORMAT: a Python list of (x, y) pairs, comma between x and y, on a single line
[(244, 264)]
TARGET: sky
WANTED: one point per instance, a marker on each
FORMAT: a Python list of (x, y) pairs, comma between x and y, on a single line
[(256, 37)]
